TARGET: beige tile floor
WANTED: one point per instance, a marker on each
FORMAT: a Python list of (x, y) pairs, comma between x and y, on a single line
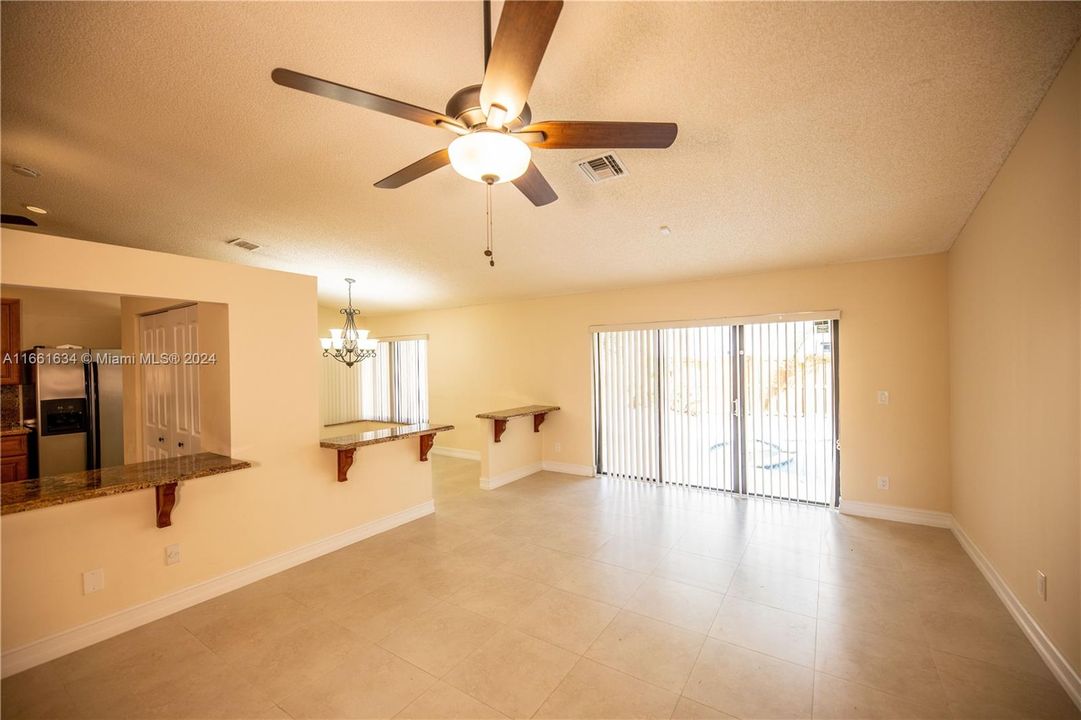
[(566, 597)]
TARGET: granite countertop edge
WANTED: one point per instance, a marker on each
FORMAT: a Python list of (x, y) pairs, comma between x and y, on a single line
[(511, 413), (79, 495), (385, 435)]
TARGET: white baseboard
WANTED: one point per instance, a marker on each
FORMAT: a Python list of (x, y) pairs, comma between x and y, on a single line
[(897, 513), (457, 453), (570, 469), (491, 483), (1060, 667), (54, 646), (1058, 664)]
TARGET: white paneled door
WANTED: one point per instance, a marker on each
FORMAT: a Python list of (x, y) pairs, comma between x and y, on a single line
[(170, 383), (154, 382), (747, 408)]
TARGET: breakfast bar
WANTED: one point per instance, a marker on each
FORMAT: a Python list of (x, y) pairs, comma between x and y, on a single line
[(346, 445), (499, 418), (163, 475), (506, 458)]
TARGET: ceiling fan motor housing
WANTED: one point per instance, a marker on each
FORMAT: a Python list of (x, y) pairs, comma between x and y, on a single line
[(464, 106)]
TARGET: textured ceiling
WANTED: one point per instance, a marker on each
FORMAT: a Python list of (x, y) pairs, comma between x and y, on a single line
[(808, 134)]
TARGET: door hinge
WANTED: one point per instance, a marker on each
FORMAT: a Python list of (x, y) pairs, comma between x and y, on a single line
[(837, 446)]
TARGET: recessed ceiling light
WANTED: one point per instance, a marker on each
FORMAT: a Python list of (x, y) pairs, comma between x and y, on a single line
[(36, 209), (23, 170), (665, 230)]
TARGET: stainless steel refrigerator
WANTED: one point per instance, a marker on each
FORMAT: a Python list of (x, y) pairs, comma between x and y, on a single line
[(77, 403)]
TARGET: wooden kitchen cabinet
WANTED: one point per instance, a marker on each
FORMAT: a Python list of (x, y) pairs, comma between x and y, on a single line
[(10, 342), (14, 459)]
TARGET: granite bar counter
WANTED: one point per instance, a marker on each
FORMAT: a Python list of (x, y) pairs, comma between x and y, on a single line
[(522, 411), (163, 475), (500, 417), (346, 445)]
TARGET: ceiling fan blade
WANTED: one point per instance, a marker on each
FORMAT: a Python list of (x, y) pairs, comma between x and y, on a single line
[(535, 187), (525, 26), (360, 98), (560, 135), (418, 169)]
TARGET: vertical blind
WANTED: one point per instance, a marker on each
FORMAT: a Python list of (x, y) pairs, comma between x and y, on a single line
[(697, 407), (395, 382), (339, 392), (789, 419), (391, 387), (742, 408), (627, 406)]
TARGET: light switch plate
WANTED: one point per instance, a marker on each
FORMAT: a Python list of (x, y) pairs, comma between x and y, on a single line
[(883, 482), (883, 397), (93, 580)]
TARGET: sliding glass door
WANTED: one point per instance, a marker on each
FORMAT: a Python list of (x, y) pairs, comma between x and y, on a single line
[(747, 408), (627, 401), (697, 393), (788, 418)]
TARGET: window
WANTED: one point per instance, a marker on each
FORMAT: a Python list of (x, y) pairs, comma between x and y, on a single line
[(394, 384)]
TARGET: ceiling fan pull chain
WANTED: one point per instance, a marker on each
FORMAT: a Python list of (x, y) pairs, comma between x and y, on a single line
[(488, 217)]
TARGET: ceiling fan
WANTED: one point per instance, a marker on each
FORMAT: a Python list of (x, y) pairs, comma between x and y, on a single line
[(492, 120)]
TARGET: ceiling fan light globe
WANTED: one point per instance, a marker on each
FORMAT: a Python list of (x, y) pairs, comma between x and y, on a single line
[(485, 153)]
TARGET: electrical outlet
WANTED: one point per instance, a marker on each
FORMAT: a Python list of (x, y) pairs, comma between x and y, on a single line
[(883, 397), (559, 447), (93, 580), (883, 482), (172, 554), (1041, 585)]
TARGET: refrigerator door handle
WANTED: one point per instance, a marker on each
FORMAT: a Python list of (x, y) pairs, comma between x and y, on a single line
[(93, 439)]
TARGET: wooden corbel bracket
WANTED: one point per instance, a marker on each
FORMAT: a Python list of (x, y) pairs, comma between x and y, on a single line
[(426, 442), (345, 461), (500, 427), (165, 500), (538, 420)]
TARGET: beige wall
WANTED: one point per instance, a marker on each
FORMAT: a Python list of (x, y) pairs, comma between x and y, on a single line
[(60, 317), (893, 337), (1015, 329), (289, 498), (519, 448)]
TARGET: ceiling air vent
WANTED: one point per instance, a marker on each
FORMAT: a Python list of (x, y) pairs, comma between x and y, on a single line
[(244, 244), (604, 167)]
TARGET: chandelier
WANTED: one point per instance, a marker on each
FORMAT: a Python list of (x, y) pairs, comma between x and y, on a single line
[(348, 345)]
